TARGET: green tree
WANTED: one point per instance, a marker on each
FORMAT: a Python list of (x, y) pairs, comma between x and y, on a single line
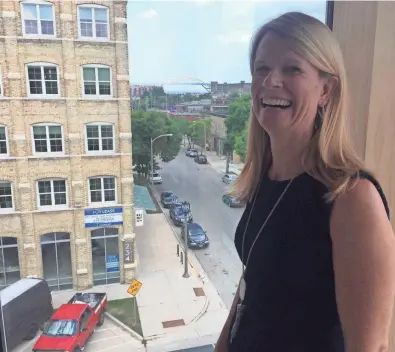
[(241, 144), (147, 125), (199, 132)]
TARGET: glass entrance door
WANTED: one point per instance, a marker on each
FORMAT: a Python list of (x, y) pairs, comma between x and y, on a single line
[(105, 256)]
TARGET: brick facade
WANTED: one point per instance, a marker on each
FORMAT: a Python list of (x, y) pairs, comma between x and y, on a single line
[(19, 112)]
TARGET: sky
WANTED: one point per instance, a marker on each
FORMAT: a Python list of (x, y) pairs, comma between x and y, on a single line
[(207, 40)]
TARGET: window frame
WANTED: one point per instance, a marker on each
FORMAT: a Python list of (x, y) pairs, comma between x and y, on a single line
[(97, 95), (92, 7), (48, 152), (37, 3), (12, 209), (103, 202), (42, 65), (53, 206), (100, 151), (6, 155)]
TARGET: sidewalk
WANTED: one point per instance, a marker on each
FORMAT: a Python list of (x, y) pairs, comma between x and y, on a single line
[(167, 298)]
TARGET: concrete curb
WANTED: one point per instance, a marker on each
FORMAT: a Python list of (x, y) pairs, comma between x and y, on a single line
[(125, 327)]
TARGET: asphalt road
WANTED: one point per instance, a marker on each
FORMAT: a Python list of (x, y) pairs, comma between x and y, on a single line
[(202, 186)]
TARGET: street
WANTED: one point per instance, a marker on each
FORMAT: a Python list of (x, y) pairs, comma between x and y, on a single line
[(202, 186)]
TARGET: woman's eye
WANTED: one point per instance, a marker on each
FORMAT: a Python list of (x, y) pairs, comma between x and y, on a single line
[(292, 70)]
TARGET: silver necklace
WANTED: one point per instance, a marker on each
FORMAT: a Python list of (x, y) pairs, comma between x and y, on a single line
[(242, 286)]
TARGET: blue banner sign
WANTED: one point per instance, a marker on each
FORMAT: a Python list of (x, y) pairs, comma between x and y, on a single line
[(103, 217), (112, 263)]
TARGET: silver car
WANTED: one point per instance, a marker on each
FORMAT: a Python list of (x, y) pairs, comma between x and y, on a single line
[(229, 178)]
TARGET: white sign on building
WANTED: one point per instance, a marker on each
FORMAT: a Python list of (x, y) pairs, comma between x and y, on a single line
[(139, 213)]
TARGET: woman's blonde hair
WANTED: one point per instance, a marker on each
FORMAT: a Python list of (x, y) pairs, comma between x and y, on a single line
[(329, 157)]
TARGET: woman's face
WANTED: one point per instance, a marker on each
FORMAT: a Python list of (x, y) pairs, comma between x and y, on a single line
[(286, 89)]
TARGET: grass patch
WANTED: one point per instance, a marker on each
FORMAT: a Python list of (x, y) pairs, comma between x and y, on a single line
[(126, 311)]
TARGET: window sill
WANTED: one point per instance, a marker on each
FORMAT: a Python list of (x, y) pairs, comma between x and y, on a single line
[(48, 156), (102, 205), (93, 40), (44, 97), (39, 37), (98, 97), (51, 209), (99, 154), (7, 157), (8, 211)]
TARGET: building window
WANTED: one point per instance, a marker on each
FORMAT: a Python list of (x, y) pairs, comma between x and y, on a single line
[(38, 19), (56, 257), (93, 21), (43, 80), (102, 190), (6, 203), (52, 193), (3, 141), (100, 137), (96, 80), (47, 139), (9, 262)]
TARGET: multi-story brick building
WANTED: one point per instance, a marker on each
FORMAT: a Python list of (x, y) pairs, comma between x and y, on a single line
[(66, 203)]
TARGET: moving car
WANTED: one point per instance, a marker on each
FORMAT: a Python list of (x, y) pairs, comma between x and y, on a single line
[(156, 178), (177, 215), (73, 323), (196, 236), (193, 153), (201, 159), (167, 198), (229, 178), (232, 201), (25, 306)]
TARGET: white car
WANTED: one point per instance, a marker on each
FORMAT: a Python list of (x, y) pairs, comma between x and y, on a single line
[(156, 178), (229, 178)]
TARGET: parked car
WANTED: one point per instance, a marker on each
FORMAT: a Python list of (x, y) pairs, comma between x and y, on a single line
[(201, 159), (196, 236), (229, 178), (177, 215), (156, 178), (25, 306), (187, 151), (232, 201), (167, 198), (73, 323), (193, 153)]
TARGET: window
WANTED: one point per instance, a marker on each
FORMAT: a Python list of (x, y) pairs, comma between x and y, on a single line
[(43, 79), (9, 261), (38, 19), (99, 137), (47, 139), (52, 193), (96, 80), (3, 141), (102, 190), (6, 203), (93, 22)]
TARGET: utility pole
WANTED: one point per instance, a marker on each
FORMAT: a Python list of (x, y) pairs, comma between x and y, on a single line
[(186, 209), (205, 141)]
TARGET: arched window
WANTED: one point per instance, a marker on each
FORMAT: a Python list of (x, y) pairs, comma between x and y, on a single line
[(47, 138), (38, 19), (100, 137), (42, 79), (96, 81), (93, 22)]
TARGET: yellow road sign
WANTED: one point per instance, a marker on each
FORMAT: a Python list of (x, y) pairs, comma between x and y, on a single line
[(134, 287)]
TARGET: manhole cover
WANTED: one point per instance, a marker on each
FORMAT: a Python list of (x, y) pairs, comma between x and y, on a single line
[(173, 323), (199, 292)]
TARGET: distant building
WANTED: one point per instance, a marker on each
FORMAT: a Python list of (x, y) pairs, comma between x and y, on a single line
[(138, 91), (227, 88)]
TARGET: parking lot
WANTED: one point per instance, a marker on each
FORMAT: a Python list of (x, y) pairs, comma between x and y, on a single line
[(108, 337)]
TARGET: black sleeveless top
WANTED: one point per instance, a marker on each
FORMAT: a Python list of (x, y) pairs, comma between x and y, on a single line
[(290, 298)]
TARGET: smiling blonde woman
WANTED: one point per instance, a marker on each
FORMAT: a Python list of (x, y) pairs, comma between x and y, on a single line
[(317, 247)]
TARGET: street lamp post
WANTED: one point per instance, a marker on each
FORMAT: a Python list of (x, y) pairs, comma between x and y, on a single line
[(186, 208), (152, 153)]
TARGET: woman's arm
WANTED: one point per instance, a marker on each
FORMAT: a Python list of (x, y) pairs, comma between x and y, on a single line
[(222, 343), (364, 265)]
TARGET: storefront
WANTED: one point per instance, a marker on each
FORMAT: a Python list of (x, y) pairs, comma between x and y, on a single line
[(9, 261)]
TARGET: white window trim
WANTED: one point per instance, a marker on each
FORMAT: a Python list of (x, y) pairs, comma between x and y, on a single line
[(94, 38), (103, 202), (97, 95), (100, 139), (38, 2), (53, 206), (44, 95), (9, 210), (2, 156), (48, 153)]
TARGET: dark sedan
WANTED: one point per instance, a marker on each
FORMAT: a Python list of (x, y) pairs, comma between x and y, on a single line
[(232, 201), (167, 198), (201, 159), (178, 216), (197, 237)]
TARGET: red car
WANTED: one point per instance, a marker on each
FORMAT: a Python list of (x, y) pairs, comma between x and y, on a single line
[(73, 323)]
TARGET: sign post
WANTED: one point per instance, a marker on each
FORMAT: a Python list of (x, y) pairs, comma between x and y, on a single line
[(186, 210)]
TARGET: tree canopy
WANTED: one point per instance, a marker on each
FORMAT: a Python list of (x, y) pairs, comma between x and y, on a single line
[(236, 124), (151, 124), (197, 129)]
